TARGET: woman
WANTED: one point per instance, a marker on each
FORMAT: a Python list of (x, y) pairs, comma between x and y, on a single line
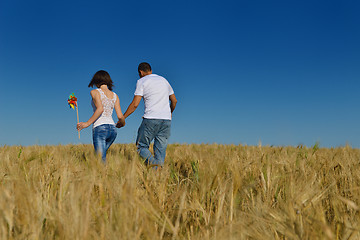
[(103, 103)]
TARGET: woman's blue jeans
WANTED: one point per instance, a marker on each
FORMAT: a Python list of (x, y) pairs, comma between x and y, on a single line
[(157, 130), (103, 136)]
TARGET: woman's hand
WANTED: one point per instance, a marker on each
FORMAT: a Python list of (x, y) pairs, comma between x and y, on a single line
[(82, 125)]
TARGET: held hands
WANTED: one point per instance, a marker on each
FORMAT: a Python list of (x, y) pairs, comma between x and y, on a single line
[(120, 123), (82, 125)]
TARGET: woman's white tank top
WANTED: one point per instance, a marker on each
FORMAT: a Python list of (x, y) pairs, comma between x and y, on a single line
[(108, 105)]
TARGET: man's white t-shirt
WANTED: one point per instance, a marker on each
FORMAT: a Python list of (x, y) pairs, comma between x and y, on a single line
[(156, 91)]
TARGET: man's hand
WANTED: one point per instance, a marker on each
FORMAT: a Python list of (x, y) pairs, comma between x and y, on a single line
[(120, 123)]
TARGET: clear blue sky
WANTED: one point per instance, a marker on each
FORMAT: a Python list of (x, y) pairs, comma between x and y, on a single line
[(279, 72)]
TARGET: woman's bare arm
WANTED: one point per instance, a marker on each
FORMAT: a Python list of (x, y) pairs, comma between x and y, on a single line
[(99, 110), (120, 116)]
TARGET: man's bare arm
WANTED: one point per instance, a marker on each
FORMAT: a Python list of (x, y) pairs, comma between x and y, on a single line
[(173, 101), (133, 105)]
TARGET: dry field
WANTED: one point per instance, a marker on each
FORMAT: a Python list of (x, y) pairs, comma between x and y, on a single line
[(203, 192)]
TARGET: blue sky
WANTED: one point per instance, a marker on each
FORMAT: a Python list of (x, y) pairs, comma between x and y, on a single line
[(279, 72)]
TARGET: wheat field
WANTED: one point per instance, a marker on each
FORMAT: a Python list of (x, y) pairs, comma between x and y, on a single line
[(203, 192)]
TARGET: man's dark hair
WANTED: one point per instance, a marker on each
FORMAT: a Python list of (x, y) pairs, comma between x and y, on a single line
[(101, 78), (144, 66)]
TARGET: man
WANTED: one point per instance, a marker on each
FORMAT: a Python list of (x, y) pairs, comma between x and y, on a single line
[(156, 92)]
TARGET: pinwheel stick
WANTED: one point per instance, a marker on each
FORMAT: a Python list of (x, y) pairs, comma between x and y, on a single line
[(77, 114), (72, 101)]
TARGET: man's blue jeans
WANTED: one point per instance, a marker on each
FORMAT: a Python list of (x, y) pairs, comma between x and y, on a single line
[(103, 136), (157, 130)]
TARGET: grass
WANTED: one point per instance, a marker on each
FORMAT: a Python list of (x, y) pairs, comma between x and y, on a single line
[(203, 192)]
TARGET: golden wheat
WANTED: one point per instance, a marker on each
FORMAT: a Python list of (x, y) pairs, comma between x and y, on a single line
[(203, 192)]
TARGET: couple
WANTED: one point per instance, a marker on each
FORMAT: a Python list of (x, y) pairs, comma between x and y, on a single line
[(156, 123)]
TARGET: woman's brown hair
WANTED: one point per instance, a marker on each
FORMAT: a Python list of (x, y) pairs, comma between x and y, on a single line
[(101, 78)]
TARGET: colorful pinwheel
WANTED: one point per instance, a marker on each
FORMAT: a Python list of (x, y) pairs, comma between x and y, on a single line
[(72, 101)]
